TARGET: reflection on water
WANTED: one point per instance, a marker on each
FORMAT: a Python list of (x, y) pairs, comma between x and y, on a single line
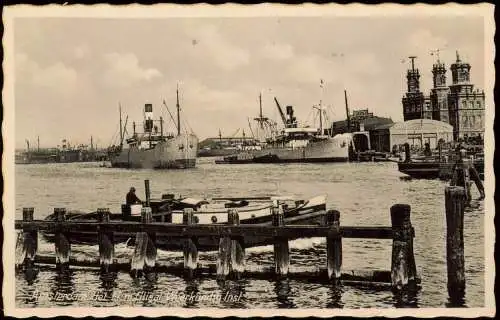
[(362, 192), (192, 292), (335, 297), (283, 291), (62, 287)]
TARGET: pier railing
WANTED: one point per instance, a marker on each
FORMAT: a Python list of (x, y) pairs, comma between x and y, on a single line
[(231, 249)]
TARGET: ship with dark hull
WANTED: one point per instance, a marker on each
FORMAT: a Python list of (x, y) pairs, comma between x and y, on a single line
[(154, 149), (65, 153), (224, 146), (294, 144)]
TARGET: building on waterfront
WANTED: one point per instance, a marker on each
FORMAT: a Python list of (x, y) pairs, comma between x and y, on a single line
[(458, 104), (359, 120), (415, 132), (360, 123)]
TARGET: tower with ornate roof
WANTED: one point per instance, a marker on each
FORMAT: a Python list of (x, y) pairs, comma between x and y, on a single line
[(465, 104), (439, 92), (413, 100)]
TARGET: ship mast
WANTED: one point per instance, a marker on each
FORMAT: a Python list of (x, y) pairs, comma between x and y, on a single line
[(321, 109), (121, 129), (347, 112), (38, 143), (178, 112)]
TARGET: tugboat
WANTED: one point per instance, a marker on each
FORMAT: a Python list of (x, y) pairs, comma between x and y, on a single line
[(294, 143), (153, 149)]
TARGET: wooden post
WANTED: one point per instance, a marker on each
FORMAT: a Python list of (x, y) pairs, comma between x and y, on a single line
[(333, 246), (106, 243), (224, 257), (190, 249), (474, 175), (148, 192), (27, 244), (62, 243), (144, 258), (150, 261), (237, 247), (440, 152), (454, 204), (281, 258), (403, 268)]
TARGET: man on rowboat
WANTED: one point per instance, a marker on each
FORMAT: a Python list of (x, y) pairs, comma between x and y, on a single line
[(132, 198)]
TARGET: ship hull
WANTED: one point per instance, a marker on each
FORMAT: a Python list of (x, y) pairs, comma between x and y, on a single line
[(215, 152), (431, 169), (327, 150), (176, 153)]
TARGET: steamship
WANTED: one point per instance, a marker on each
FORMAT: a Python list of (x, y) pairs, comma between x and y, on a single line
[(154, 149), (294, 143)]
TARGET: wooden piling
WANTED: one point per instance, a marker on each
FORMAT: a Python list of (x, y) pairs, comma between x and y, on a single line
[(333, 247), (106, 242), (61, 242), (237, 247), (474, 175), (403, 268), (281, 257), (27, 242), (148, 192), (144, 258), (224, 257), (454, 205), (190, 250)]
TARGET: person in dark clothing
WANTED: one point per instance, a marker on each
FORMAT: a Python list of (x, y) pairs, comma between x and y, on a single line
[(131, 197), (427, 150)]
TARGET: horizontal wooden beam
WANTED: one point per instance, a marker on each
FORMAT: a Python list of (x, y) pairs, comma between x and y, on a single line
[(351, 277), (181, 230)]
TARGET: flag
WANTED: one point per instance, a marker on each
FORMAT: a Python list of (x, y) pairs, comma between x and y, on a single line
[(321, 83)]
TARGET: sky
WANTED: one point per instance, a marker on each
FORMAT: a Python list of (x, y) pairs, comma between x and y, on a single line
[(71, 74)]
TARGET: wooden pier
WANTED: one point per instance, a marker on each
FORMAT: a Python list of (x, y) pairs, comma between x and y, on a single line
[(231, 253)]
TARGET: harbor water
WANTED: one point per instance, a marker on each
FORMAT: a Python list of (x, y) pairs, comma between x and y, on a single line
[(362, 192)]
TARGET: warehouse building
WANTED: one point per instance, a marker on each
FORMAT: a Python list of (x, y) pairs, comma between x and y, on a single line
[(416, 132)]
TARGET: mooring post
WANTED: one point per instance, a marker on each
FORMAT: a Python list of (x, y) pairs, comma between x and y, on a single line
[(28, 242), (474, 175), (62, 243), (224, 257), (144, 258), (454, 205), (150, 261), (281, 258), (190, 250), (148, 192), (333, 246), (403, 268), (106, 242), (237, 247)]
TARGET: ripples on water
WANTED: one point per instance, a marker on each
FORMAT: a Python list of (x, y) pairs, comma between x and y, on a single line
[(362, 192)]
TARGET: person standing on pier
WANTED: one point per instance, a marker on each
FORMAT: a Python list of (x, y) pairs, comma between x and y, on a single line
[(132, 198)]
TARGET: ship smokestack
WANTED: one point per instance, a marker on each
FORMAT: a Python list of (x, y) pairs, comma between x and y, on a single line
[(148, 116)]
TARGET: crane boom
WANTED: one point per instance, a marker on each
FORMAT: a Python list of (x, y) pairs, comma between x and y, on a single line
[(283, 118)]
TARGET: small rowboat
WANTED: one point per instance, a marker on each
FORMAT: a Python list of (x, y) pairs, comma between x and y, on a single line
[(251, 210)]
